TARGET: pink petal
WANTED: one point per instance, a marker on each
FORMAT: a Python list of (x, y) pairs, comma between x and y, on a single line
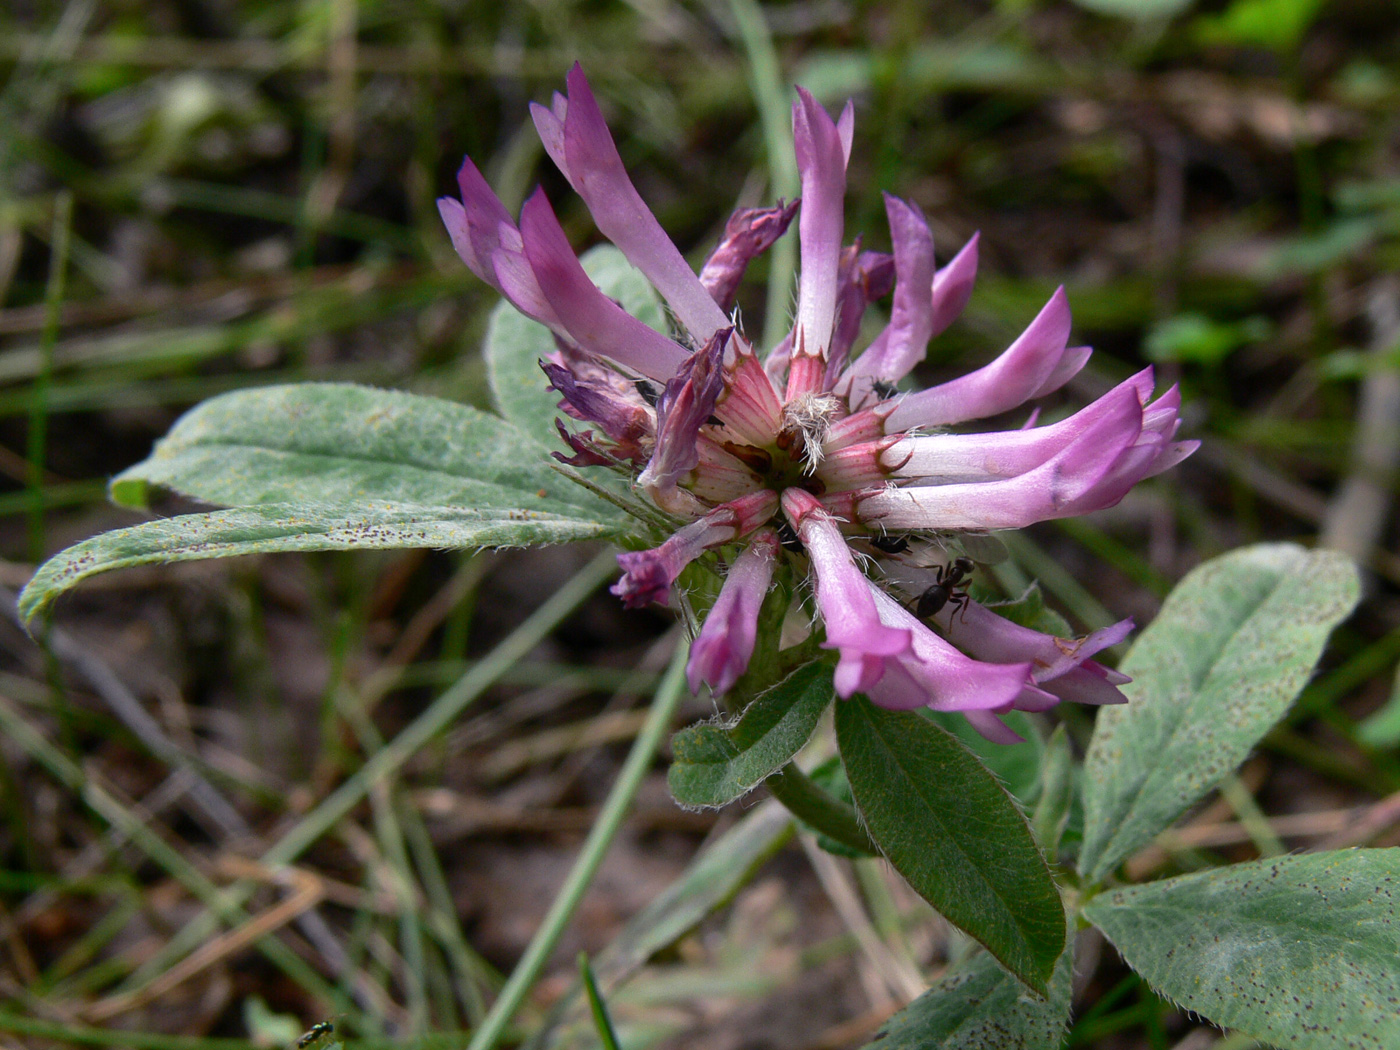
[(934, 674), (952, 286), (821, 161), (648, 575), (1060, 487), (904, 340), (988, 636), (1010, 380), (595, 170), (862, 278), (594, 321), (684, 408), (721, 651), (749, 232), (852, 621), (992, 454)]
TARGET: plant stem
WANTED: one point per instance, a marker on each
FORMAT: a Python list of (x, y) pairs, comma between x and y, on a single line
[(619, 800), (800, 794)]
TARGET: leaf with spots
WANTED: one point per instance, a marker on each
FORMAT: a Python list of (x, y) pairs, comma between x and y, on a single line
[(297, 527), (341, 444), (980, 1006), (1300, 951), (515, 345), (949, 827), (1219, 666)]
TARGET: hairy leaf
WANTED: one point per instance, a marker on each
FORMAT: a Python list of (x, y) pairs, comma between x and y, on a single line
[(1300, 951), (982, 1007), (950, 828), (340, 444), (297, 527), (1230, 650), (716, 764)]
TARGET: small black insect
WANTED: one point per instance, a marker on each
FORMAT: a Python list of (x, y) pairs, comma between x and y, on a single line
[(787, 536), (890, 544), (648, 392), (317, 1031), (884, 389), (945, 589)]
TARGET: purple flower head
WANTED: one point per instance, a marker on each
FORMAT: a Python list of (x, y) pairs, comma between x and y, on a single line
[(805, 459)]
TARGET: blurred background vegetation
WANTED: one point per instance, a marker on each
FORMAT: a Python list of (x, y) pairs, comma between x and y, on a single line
[(200, 195)]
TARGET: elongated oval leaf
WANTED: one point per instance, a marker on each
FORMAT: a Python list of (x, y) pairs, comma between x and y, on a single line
[(1230, 650), (1303, 951), (337, 443), (515, 344), (982, 1007), (951, 829), (716, 764), (297, 527)]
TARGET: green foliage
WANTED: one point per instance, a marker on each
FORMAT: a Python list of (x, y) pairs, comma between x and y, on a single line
[(278, 527), (602, 1021), (1195, 338), (1051, 815), (980, 1006), (950, 828), (1275, 24), (1382, 728), (1231, 648), (336, 443), (1017, 766), (714, 764), (515, 345), (1300, 951), (329, 467)]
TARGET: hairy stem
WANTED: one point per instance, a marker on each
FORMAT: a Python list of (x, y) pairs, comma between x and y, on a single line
[(829, 815)]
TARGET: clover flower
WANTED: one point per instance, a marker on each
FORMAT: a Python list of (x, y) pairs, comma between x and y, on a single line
[(810, 453)]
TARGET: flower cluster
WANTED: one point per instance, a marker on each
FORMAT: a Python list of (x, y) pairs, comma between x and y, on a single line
[(811, 452)]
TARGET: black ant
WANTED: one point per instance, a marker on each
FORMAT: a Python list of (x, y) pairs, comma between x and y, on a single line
[(884, 389), (787, 536), (317, 1031), (945, 589), (887, 544)]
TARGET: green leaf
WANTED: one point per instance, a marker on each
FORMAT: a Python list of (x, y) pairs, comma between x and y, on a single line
[(1230, 650), (715, 764), (981, 1007), (1197, 339), (1017, 766), (949, 827), (1052, 810), (297, 527), (515, 345), (341, 444), (1382, 728), (1299, 951), (1275, 24)]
